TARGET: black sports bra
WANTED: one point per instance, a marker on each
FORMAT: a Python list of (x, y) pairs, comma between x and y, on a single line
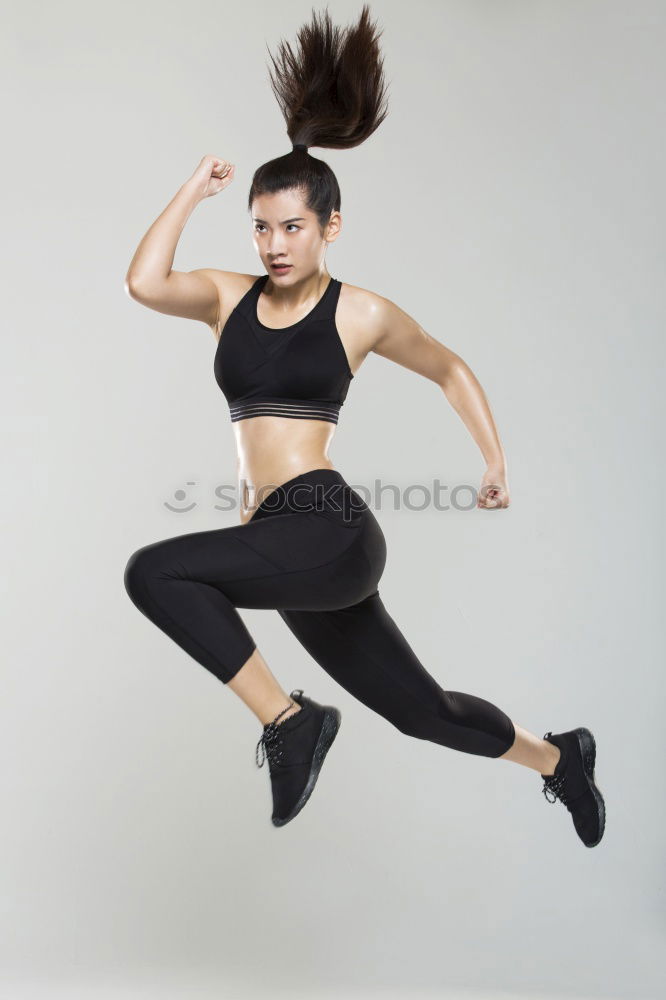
[(297, 371)]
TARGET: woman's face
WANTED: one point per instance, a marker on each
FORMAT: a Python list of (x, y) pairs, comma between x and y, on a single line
[(285, 231)]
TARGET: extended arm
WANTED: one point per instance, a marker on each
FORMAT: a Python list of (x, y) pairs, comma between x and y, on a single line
[(400, 338)]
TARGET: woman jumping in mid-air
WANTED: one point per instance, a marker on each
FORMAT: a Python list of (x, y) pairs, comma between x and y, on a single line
[(289, 342)]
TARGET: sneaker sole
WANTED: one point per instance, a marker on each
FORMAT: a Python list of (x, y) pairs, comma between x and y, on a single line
[(588, 749), (329, 730)]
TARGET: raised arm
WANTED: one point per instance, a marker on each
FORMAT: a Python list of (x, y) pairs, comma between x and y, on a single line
[(399, 338), (150, 277)]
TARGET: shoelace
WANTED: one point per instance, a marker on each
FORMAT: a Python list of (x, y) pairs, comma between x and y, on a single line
[(554, 783), (270, 742)]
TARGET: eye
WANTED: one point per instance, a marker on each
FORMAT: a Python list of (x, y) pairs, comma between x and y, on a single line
[(259, 226)]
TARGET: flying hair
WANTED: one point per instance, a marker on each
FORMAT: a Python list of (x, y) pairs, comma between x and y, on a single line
[(332, 93)]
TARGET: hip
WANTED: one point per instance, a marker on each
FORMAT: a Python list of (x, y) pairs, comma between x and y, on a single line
[(333, 505)]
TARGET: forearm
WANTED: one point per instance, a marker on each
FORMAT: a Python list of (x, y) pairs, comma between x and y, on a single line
[(466, 396), (153, 259)]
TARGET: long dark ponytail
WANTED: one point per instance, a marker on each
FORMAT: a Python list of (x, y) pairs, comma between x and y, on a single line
[(332, 94)]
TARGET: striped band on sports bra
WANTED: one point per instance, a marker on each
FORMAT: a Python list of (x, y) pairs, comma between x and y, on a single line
[(271, 407)]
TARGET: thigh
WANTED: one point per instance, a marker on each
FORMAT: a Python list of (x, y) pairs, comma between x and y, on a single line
[(302, 560), (364, 650)]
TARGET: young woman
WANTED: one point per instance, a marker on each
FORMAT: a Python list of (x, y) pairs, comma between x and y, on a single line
[(289, 342)]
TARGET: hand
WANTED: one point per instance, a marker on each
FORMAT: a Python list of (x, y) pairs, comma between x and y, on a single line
[(494, 490), (212, 176)]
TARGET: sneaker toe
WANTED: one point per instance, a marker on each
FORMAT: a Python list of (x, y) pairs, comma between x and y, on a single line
[(288, 785), (587, 818)]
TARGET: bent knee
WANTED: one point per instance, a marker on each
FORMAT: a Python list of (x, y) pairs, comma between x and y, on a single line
[(145, 566), (134, 576)]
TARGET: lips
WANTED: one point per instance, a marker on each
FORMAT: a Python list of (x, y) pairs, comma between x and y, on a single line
[(280, 267)]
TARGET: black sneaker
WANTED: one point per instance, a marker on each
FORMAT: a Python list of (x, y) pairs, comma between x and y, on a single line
[(296, 749), (573, 783)]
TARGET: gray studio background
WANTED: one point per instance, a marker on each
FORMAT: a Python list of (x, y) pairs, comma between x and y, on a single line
[(512, 203)]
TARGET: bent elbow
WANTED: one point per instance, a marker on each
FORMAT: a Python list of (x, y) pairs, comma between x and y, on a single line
[(451, 373), (131, 286)]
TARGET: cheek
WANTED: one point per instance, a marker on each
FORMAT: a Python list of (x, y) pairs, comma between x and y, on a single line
[(310, 243)]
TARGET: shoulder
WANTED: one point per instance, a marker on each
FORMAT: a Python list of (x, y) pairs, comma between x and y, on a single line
[(364, 311)]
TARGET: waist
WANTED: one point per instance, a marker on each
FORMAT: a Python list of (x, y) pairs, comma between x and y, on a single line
[(272, 450)]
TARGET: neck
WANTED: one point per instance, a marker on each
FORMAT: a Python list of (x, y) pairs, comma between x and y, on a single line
[(297, 293)]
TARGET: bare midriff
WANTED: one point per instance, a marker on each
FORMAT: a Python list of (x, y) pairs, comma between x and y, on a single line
[(272, 450)]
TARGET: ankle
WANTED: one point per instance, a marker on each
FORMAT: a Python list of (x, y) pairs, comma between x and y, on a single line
[(284, 711), (554, 754), (295, 707)]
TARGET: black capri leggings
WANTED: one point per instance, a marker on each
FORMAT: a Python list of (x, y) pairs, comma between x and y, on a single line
[(314, 551)]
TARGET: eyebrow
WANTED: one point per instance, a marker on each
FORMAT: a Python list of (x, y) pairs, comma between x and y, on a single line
[(297, 218)]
